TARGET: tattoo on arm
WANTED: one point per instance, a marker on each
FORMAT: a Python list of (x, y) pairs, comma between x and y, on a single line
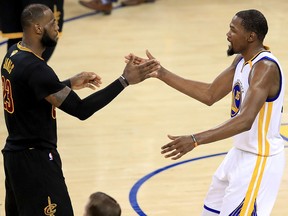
[(57, 98)]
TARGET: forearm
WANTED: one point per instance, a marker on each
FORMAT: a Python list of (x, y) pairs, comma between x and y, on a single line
[(228, 129), (83, 109), (195, 89)]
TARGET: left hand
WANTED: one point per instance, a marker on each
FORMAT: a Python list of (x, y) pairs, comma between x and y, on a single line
[(85, 80), (178, 147)]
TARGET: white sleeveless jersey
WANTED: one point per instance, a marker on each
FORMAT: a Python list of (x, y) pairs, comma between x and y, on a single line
[(264, 136)]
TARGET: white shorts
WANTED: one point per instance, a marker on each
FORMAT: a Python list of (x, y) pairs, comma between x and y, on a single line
[(245, 184)]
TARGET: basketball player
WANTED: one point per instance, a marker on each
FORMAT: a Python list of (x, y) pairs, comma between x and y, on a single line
[(248, 179), (34, 183), (10, 13), (101, 204)]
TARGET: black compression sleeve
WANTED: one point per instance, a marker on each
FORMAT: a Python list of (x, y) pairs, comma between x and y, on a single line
[(67, 83), (83, 109)]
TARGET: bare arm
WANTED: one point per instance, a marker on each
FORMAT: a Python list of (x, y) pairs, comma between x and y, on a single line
[(264, 82), (207, 93)]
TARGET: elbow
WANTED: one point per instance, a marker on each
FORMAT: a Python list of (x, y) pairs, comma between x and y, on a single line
[(246, 124), (209, 101), (83, 117), (246, 127)]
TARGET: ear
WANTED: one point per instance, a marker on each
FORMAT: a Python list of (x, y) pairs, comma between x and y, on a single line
[(38, 28), (252, 37)]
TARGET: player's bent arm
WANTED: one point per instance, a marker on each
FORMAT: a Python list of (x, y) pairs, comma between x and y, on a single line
[(83, 80), (264, 84), (207, 93), (68, 101)]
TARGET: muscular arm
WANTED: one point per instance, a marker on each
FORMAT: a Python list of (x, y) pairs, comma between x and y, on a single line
[(207, 93), (264, 84)]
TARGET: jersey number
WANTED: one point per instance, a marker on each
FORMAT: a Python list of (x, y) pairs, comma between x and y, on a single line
[(7, 95)]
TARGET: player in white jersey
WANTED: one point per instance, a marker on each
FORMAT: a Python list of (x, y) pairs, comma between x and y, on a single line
[(248, 180)]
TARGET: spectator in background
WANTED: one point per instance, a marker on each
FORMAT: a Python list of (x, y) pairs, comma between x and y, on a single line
[(10, 13), (101, 204), (105, 6)]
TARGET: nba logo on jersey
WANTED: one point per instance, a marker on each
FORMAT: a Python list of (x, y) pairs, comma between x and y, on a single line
[(50, 156)]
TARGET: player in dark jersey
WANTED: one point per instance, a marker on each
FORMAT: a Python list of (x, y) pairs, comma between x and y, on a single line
[(10, 12), (31, 90)]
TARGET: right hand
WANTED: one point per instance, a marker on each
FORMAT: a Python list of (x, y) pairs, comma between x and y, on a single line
[(138, 69), (138, 60)]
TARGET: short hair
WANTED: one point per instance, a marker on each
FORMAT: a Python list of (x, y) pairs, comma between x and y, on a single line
[(253, 20), (101, 204), (32, 13)]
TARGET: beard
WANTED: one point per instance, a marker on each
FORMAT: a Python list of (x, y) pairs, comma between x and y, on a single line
[(47, 41), (230, 51)]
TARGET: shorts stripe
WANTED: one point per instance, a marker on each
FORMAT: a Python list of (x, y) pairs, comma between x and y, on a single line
[(263, 146)]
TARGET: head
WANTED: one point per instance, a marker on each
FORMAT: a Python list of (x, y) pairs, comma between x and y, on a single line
[(247, 27), (39, 20), (101, 204)]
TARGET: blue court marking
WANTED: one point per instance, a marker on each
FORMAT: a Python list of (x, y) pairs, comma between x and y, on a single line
[(76, 18), (134, 190), (138, 184)]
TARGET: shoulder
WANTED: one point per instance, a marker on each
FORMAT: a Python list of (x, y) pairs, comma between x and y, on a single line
[(267, 62), (265, 69)]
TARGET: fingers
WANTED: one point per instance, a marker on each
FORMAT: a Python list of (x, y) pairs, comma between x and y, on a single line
[(151, 65), (95, 83), (131, 60), (91, 86), (137, 60), (149, 55), (93, 80), (152, 74), (176, 148), (176, 152), (172, 137)]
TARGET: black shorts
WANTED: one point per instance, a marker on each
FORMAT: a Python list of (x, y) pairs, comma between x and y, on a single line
[(10, 14), (35, 184)]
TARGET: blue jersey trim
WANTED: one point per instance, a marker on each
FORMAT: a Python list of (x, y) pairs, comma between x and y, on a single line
[(270, 59), (211, 210)]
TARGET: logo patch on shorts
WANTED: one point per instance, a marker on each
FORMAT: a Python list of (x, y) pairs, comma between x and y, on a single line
[(50, 156), (50, 209)]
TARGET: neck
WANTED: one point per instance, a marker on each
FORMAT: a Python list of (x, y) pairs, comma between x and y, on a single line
[(252, 52), (35, 47)]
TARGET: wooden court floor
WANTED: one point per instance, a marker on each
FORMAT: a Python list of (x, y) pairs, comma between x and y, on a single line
[(118, 149)]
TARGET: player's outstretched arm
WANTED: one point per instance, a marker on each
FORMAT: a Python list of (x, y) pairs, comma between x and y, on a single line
[(68, 101), (207, 93)]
